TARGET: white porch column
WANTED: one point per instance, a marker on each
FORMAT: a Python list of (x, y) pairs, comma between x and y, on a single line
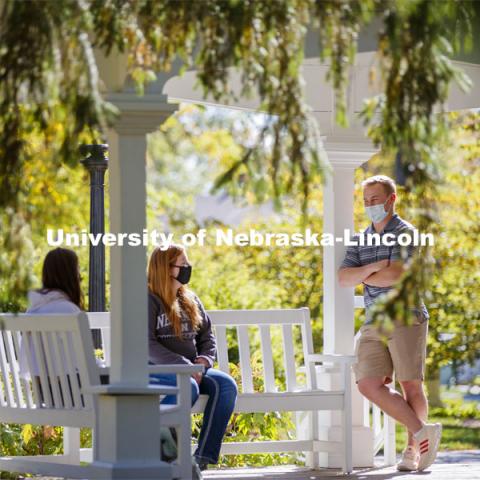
[(128, 284), (128, 295), (127, 440), (338, 305), (338, 200)]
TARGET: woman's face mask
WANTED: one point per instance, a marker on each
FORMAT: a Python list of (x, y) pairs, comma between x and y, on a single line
[(184, 273)]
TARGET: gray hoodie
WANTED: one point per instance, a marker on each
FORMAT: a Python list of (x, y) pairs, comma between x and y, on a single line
[(166, 348), (52, 301)]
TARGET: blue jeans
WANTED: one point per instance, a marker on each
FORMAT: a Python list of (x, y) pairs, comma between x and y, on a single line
[(222, 394)]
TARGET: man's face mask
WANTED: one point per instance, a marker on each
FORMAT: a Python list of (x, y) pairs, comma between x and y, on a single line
[(376, 213), (184, 273)]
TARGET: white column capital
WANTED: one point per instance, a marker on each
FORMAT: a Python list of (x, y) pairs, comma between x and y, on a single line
[(348, 158), (140, 115)]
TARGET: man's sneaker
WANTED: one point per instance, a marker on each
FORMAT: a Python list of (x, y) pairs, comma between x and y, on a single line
[(428, 439), (409, 460)]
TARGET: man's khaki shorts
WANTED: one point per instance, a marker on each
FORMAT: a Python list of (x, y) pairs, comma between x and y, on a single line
[(402, 351)]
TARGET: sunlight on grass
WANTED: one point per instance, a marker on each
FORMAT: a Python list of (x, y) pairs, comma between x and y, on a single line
[(457, 434)]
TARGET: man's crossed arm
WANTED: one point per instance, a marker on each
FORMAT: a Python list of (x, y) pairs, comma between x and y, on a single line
[(377, 274)]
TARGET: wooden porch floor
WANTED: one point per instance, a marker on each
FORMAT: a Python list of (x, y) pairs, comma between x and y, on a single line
[(455, 465), (462, 465)]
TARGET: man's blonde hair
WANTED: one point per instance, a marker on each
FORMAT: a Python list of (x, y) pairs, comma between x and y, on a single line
[(387, 182)]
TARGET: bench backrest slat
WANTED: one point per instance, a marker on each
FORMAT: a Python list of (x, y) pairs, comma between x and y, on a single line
[(52, 366), (307, 343), (12, 360), (42, 371), (267, 357), (244, 352), (222, 348), (84, 343), (24, 384), (27, 342), (75, 387), (289, 358), (10, 401), (62, 371)]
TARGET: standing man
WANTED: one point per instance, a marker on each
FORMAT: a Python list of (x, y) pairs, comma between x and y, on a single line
[(378, 268)]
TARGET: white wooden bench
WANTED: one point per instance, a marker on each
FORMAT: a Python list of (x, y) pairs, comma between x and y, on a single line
[(59, 353), (295, 397)]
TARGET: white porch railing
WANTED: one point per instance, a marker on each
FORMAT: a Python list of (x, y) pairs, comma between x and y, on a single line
[(383, 426)]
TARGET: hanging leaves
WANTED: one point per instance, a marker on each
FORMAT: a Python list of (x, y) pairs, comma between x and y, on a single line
[(57, 81), (49, 77), (415, 49)]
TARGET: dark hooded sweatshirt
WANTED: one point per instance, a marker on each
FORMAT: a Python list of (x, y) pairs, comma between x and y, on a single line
[(164, 347)]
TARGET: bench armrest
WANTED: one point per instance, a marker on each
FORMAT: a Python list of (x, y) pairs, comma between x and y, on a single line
[(333, 358), (122, 390), (177, 369)]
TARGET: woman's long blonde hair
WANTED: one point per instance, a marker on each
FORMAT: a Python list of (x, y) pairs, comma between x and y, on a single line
[(160, 283)]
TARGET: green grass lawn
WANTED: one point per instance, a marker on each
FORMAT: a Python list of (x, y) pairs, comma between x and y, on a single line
[(460, 420), (457, 434)]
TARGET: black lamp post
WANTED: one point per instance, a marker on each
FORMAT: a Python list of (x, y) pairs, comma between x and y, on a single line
[(96, 163)]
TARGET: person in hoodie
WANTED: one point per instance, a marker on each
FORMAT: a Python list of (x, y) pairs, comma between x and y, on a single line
[(180, 332), (60, 293)]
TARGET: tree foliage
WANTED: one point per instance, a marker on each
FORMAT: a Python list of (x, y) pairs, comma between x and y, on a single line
[(453, 301), (415, 48), (52, 91), (455, 296), (264, 40), (57, 82), (48, 198)]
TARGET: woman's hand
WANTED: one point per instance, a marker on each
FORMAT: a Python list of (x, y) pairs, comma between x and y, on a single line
[(198, 377), (200, 361)]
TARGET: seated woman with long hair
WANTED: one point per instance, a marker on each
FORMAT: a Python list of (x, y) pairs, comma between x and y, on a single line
[(61, 292), (180, 332)]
